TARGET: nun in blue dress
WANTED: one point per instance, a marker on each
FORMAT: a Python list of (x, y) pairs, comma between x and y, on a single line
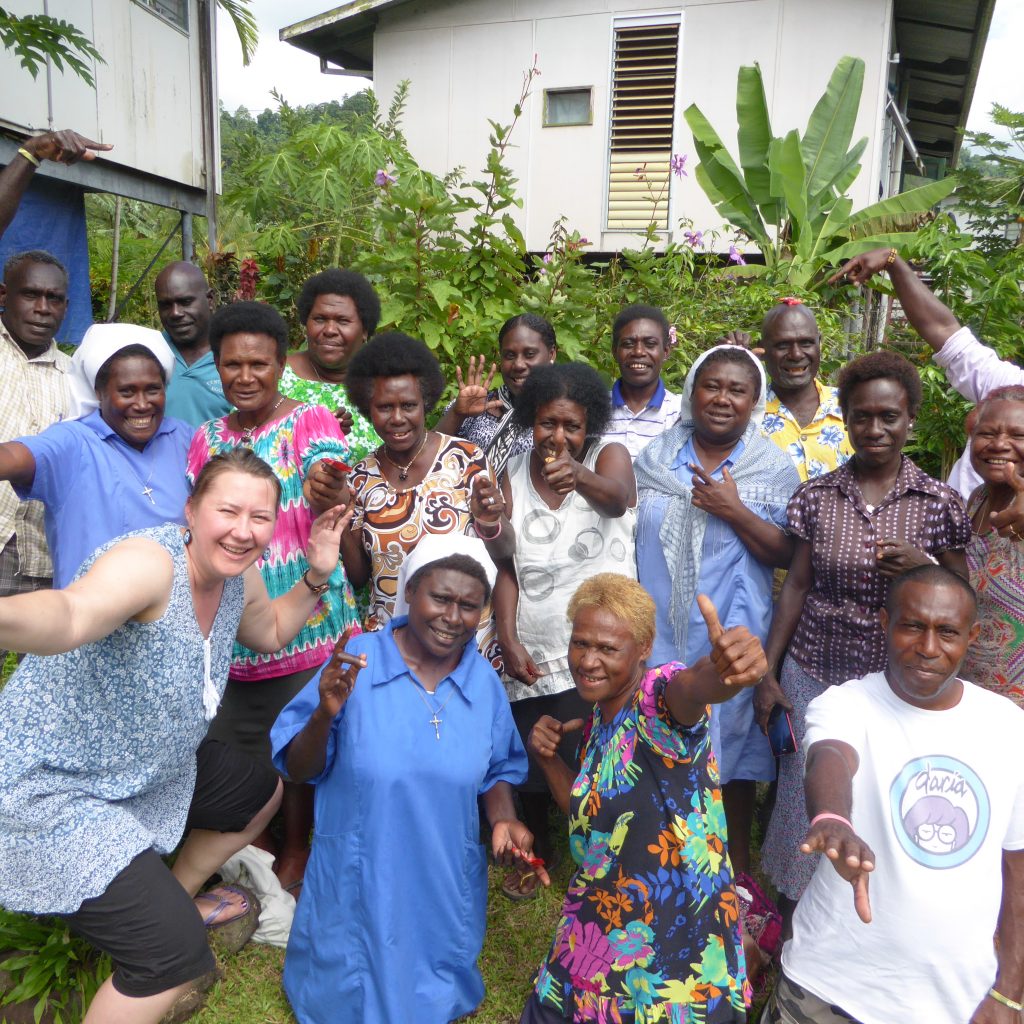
[(400, 735)]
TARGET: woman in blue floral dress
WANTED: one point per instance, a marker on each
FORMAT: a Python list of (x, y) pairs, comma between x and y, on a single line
[(650, 924)]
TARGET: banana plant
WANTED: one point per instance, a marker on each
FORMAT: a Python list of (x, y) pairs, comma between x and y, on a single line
[(787, 193)]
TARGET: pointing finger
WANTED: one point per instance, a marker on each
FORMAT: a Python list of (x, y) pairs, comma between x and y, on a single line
[(710, 614)]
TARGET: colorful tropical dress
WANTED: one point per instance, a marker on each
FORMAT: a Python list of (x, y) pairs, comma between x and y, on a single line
[(361, 438), (650, 924), (392, 523), (996, 564), (290, 446)]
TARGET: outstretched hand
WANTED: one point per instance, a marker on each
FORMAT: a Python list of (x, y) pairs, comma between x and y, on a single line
[(471, 399), (736, 653), (862, 268), (1010, 521), (850, 855), (339, 676), (65, 147)]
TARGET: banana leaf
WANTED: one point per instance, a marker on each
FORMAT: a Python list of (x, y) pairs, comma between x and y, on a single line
[(754, 136), (830, 127), (915, 200)]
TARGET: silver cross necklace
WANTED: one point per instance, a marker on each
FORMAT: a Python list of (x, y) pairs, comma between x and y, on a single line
[(434, 720)]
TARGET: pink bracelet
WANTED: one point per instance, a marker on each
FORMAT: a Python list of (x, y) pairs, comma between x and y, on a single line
[(488, 536), (825, 815)]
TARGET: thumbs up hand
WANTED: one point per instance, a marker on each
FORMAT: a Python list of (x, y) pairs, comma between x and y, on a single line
[(1010, 521), (736, 653)]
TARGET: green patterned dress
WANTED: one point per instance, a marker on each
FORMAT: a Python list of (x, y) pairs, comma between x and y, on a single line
[(362, 438)]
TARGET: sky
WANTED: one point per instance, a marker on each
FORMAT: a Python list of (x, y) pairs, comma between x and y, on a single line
[(297, 74)]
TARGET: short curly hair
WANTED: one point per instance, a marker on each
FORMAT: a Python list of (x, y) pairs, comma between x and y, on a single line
[(622, 597), (641, 312), (393, 354), (335, 281), (248, 318), (578, 382), (881, 366)]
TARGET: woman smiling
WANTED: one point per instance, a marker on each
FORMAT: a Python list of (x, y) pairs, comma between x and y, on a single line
[(650, 924), (418, 482), (250, 342), (713, 496), (401, 736), (572, 501), (119, 463), (854, 529), (995, 659)]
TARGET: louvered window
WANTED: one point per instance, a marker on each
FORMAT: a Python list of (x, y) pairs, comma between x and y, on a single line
[(642, 118)]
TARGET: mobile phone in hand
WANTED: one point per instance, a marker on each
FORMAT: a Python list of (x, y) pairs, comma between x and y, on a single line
[(337, 465), (781, 737)]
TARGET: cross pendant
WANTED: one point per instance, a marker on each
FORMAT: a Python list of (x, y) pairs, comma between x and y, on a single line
[(148, 492), (436, 722)]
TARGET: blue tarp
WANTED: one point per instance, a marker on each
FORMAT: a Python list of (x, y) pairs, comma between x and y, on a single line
[(52, 217)]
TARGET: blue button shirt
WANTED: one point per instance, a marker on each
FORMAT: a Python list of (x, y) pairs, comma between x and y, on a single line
[(91, 483), (195, 393), (738, 584), (396, 848)]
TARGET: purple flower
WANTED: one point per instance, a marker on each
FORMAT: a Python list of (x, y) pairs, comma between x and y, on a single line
[(678, 165), (548, 257), (673, 338), (382, 179), (694, 239), (735, 256), (641, 172)]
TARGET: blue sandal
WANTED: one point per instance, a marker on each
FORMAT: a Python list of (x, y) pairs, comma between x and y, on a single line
[(231, 935)]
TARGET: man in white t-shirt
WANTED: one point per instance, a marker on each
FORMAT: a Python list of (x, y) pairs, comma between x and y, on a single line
[(928, 768)]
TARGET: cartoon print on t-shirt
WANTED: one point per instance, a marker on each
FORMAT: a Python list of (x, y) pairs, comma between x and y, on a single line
[(940, 811)]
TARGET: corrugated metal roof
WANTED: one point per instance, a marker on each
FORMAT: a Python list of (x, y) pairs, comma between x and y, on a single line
[(940, 43)]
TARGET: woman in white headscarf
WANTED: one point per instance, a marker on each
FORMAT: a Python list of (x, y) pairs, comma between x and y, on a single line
[(118, 464), (712, 520)]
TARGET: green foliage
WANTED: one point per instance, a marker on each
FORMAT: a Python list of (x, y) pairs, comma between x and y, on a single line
[(49, 966), (787, 193), (991, 184), (36, 37)]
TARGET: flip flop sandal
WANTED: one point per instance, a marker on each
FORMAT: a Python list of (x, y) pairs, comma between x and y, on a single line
[(192, 1000), (512, 887), (231, 935)]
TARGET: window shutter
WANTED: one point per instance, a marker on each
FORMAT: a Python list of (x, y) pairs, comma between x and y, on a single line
[(642, 119)]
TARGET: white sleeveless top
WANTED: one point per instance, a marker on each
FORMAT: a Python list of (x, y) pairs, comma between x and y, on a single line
[(556, 550)]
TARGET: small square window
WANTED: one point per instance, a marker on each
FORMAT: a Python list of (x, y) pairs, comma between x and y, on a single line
[(174, 11), (568, 106)]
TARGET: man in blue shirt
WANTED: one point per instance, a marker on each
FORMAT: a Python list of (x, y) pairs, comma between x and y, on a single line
[(184, 301)]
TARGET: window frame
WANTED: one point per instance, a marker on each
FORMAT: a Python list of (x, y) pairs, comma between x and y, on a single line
[(561, 90)]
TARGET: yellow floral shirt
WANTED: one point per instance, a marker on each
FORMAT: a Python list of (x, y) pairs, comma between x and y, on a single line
[(817, 448)]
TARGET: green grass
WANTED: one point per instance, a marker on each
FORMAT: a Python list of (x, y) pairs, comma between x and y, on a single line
[(518, 936)]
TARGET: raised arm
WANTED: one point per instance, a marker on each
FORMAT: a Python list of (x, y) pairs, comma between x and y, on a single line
[(65, 147), (267, 625), (927, 314), (736, 660), (131, 581)]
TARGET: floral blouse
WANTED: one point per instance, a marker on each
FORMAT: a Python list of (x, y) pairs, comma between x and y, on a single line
[(361, 438), (650, 924)]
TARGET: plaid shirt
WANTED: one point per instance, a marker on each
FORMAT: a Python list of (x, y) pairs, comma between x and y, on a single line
[(33, 394)]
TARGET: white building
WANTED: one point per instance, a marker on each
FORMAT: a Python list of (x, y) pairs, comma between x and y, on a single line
[(154, 99), (617, 74)]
